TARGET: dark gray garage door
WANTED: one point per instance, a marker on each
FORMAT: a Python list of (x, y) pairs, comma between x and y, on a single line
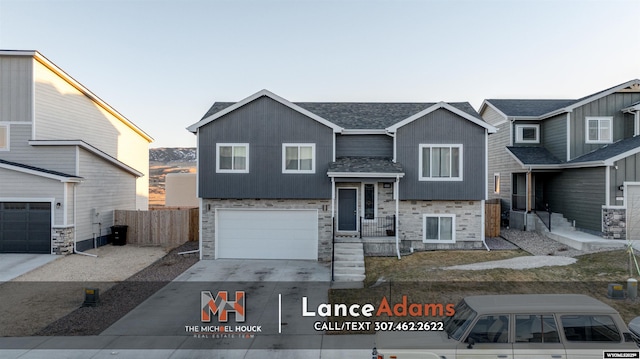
[(25, 227)]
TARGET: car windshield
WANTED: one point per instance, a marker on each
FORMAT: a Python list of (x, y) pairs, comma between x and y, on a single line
[(456, 325)]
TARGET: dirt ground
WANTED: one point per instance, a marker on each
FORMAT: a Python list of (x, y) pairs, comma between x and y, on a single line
[(37, 298)]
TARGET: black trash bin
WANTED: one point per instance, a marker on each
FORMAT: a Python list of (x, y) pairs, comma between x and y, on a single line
[(119, 235)]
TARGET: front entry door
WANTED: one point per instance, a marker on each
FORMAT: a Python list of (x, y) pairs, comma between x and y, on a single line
[(347, 209)]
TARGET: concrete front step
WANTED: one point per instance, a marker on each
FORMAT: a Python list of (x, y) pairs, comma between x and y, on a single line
[(584, 241), (348, 245), (348, 277), (348, 264)]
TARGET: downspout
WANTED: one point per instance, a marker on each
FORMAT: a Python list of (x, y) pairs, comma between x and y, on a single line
[(486, 188), (397, 189), (482, 232), (75, 220)]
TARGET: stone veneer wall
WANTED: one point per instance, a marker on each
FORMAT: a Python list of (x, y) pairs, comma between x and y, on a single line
[(63, 240), (614, 224), (323, 206), (468, 224)]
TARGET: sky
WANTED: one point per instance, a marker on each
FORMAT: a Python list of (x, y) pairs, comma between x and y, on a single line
[(162, 64)]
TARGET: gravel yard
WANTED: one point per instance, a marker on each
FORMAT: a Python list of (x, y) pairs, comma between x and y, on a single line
[(47, 301)]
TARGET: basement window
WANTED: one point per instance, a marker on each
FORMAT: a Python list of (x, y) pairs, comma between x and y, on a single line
[(439, 228)]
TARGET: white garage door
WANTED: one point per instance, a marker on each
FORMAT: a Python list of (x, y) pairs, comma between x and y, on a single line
[(267, 234)]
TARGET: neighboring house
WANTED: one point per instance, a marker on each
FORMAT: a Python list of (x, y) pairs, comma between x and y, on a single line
[(67, 159), (276, 179), (180, 190), (579, 157)]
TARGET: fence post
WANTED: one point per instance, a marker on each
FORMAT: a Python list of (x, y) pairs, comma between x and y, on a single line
[(360, 227)]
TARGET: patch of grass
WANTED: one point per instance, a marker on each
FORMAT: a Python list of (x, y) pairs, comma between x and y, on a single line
[(421, 279)]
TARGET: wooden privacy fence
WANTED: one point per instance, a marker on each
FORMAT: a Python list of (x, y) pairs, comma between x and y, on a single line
[(167, 227), (492, 218)]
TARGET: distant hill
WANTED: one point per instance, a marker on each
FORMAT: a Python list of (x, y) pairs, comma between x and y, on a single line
[(172, 154), (167, 160)]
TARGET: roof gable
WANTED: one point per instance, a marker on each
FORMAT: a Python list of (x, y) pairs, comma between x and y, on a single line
[(472, 118), (78, 86), (227, 109)]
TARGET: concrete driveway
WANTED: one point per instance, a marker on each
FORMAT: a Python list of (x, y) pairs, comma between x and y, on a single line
[(168, 324), (274, 292), (13, 265)]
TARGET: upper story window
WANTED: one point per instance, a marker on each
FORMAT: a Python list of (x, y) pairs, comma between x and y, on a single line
[(528, 133), (298, 158), (232, 158), (440, 163), (4, 137), (598, 129)]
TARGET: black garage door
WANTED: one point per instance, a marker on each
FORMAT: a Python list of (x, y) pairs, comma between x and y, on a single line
[(25, 227)]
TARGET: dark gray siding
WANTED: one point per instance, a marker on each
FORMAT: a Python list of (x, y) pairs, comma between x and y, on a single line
[(606, 106), (628, 170), (364, 146), (442, 127), (554, 136), (265, 124), (514, 133), (579, 195)]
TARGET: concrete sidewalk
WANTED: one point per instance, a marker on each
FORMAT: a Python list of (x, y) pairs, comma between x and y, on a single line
[(329, 347), (13, 265)]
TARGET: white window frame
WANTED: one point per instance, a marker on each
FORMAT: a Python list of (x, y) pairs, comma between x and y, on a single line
[(496, 183), (439, 215), (7, 137), (600, 119), (299, 171), (445, 145), (232, 145), (521, 127), (375, 202)]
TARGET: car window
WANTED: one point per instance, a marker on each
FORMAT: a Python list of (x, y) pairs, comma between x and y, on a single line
[(536, 328), (490, 329), (459, 322), (590, 328)]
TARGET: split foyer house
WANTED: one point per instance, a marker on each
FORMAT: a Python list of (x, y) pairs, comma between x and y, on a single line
[(280, 180), (577, 157), (67, 159)]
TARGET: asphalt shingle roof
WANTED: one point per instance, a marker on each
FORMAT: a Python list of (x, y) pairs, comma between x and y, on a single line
[(365, 165), (362, 115), (37, 169), (609, 151), (534, 155), (529, 108)]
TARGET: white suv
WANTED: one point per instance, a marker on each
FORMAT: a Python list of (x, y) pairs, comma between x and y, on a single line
[(554, 326)]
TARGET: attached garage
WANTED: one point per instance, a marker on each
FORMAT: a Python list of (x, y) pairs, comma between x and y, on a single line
[(25, 227), (267, 234)]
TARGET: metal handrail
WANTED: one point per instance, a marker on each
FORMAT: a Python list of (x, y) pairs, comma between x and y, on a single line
[(378, 226)]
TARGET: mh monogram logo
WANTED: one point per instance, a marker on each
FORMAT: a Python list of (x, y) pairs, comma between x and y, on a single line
[(221, 305)]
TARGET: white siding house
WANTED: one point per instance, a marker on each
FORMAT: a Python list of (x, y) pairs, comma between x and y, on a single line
[(64, 153)]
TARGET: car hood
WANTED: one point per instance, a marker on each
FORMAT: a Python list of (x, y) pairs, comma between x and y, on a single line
[(414, 340)]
